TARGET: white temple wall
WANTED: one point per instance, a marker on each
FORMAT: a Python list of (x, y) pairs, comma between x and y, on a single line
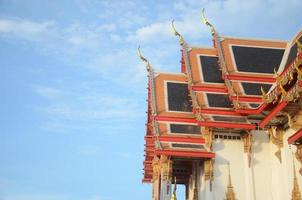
[(266, 179), (229, 151)]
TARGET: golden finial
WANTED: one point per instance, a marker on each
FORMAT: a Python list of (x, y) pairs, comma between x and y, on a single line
[(263, 94), (148, 66), (176, 33), (173, 196), (206, 22), (277, 76), (230, 194), (296, 194)]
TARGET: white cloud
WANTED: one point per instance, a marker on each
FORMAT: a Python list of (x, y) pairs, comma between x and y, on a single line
[(47, 92), (25, 29), (155, 31)]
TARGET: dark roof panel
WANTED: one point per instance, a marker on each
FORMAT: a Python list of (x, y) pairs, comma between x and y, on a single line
[(255, 88), (178, 97), (210, 69), (191, 146), (257, 60), (185, 129), (219, 100), (229, 119)]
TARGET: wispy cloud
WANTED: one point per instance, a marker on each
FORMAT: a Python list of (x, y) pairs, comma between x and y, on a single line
[(25, 29), (71, 110), (47, 92)]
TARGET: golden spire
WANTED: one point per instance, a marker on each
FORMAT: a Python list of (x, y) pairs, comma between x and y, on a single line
[(173, 196), (230, 194), (148, 66), (296, 194), (206, 22), (176, 33)]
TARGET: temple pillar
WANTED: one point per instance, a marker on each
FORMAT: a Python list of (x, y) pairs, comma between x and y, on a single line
[(156, 179), (166, 177), (206, 179)]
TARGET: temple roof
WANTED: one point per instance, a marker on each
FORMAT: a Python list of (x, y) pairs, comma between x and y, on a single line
[(235, 86)]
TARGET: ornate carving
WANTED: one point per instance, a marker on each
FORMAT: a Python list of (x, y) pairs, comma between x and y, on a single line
[(230, 194), (298, 155), (208, 136), (166, 167), (156, 168), (276, 136), (296, 194), (248, 143), (209, 169), (296, 121)]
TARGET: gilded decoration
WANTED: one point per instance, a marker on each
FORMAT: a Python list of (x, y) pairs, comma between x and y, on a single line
[(156, 168), (209, 169), (296, 194), (166, 168), (276, 137), (298, 156), (296, 121), (248, 143), (208, 136), (230, 194)]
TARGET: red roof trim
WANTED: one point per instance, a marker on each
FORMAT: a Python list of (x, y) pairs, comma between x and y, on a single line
[(227, 125), (175, 119), (181, 139), (277, 109), (236, 77), (295, 137), (194, 154), (209, 89), (252, 111), (247, 99), (205, 123), (218, 112)]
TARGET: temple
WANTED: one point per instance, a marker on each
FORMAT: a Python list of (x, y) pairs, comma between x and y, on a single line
[(229, 124)]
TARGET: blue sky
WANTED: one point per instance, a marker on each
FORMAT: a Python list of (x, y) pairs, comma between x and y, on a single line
[(72, 90)]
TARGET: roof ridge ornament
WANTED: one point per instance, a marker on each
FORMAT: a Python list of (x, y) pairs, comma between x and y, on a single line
[(140, 55), (206, 22), (176, 33)]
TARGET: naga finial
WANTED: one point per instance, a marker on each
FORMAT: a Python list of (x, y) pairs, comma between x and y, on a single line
[(148, 66), (206, 22), (263, 93), (277, 76), (176, 33)]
